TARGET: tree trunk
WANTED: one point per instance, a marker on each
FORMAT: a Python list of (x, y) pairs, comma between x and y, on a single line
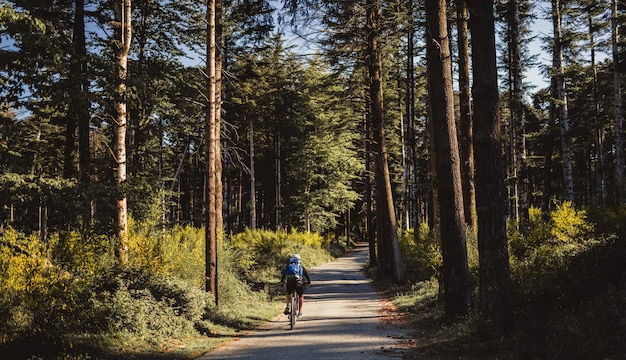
[(121, 41), (369, 203), (519, 123), (447, 164), (600, 180), (84, 161), (79, 104), (219, 190), (210, 136), (411, 144), (617, 98), (278, 169), (494, 277), (219, 186), (252, 177), (561, 97), (466, 145), (388, 236)]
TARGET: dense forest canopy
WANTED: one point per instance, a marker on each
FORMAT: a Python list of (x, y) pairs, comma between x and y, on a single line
[(339, 138)]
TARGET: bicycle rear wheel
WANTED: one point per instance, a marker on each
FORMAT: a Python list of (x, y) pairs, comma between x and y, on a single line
[(294, 310)]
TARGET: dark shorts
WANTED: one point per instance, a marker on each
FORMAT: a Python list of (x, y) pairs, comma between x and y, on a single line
[(294, 284)]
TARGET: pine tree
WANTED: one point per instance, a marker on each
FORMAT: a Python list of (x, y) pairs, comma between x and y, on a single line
[(447, 162), (495, 287), (121, 43)]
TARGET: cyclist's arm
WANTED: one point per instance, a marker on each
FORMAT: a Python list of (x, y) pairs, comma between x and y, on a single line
[(306, 275)]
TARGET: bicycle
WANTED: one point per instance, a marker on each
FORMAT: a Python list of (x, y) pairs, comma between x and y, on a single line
[(294, 308)]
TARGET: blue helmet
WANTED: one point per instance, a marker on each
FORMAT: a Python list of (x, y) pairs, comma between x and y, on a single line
[(295, 258)]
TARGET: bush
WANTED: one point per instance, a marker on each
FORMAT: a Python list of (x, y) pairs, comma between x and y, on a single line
[(261, 254), (421, 255), (131, 302), (36, 296), (72, 291), (176, 252), (569, 224), (566, 226)]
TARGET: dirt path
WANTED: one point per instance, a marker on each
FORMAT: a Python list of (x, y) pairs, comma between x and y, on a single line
[(343, 319)]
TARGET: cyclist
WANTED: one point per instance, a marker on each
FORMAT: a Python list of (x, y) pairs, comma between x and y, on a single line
[(298, 281)]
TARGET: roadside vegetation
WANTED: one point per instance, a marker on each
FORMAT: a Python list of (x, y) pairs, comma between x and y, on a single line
[(69, 298), (569, 300)]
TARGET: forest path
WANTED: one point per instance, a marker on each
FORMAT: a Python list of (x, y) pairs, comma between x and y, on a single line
[(344, 318)]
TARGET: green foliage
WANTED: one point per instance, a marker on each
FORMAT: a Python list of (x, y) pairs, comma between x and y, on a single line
[(70, 290), (260, 254), (132, 302), (569, 224), (79, 253), (176, 252), (609, 220), (36, 296), (8, 16), (421, 254), (566, 226)]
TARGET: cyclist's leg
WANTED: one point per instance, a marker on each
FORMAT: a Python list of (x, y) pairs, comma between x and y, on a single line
[(289, 288), (300, 292)]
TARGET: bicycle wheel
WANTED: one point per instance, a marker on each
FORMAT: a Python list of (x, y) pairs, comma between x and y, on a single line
[(294, 310)]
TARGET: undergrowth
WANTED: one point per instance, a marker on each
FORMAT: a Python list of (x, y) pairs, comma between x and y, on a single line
[(569, 283), (68, 298)]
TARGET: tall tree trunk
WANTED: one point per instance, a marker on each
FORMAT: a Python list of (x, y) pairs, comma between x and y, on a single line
[(412, 203), (617, 98), (561, 97), (519, 122), (600, 180), (210, 136), (69, 152), (388, 236), (219, 57), (278, 168), (252, 177), (219, 187), (79, 104), (466, 145), (447, 161), (80, 50), (121, 42), (495, 287), (369, 203)]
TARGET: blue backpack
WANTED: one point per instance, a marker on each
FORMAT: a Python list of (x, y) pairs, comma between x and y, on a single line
[(293, 270)]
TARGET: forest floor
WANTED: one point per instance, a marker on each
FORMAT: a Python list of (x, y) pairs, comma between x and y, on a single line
[(433, 336), (592, 329)]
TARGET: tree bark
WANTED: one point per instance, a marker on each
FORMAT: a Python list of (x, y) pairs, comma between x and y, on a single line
[(519, 123), (411, 143), (495, 288), (617, 97), (252, 177), (466, 145), (210, 136), (561, 97), (121, 42), (599, 191), (219, 191), (369, 203), (447, 164), (83, 117), (388, 235)]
